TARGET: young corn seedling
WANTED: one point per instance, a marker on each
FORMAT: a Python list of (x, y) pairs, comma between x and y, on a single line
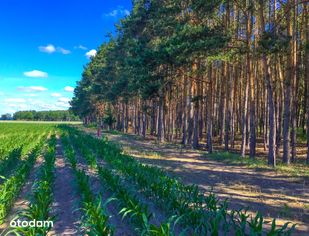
[(95, 219), (10, 189), (41, 202), (202, 214)]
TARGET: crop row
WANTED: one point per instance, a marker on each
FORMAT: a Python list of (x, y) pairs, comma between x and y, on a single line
[(14, 148), (95, 219), (39, 208), (12, 186), (25, 135), (130, 205), (204, 215)]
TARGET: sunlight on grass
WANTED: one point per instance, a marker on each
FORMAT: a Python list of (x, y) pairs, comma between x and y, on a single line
[(295, 169)]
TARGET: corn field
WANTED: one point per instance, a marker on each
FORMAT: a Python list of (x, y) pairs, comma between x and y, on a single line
[(104, 178)]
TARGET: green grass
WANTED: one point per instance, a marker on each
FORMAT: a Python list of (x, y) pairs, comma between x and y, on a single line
[(295, 169)]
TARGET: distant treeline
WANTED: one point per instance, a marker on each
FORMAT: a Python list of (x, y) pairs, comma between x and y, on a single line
[(45, 116)]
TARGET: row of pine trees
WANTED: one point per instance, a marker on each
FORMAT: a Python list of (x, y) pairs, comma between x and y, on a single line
[(234, 72)]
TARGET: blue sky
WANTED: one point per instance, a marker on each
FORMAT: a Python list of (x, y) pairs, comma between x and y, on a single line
[(44, 45)]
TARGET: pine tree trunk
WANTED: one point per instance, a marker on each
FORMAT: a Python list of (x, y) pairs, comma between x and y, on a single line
[(245, 114), (271, 104), (287, 95), (228, 115), (306, 65), (196, 116), (127, 118), (144, 121), (222, 108), (161, 120), (123, 117), (209, 111), (294, 84), (190, 114), (252, 119), (184, 112), (153, 119)]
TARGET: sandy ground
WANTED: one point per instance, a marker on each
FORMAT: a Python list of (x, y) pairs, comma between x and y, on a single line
[(275, 195), (65, 198)]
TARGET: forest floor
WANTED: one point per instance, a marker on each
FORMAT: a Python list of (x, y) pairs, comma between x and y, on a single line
[(274, 193)]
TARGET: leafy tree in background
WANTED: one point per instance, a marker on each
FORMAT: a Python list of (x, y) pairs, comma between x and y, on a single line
[(45, 116), (6, 117)]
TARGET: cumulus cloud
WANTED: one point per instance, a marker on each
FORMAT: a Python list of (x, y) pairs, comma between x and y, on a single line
[(36, 74), (14, 104), (63, 51), (55, 95), (119, 12), (80, 47), (91, 53), (64, 99), (31, 89), (15, 100), (31, 95), (63, 105), (48, 48), (18, 106), (68, 89)]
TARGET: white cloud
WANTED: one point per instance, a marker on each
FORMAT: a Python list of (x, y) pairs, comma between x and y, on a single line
[(63, 51), (119, 12), (36, 74), (68, 89), (48, 48), (31, 95), (91, 53), (55, 95), (1, 93), (64, 99), (80, 47), (62, 105), (32, 89), (11, 105), (15, 100)]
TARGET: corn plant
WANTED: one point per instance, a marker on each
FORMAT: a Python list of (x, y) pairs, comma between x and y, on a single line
[(10, 189), (131, 208), (204, 215), (96, 218), (40, 205)]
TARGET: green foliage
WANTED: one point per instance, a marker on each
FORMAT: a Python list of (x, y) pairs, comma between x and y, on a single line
[(45, 116), (272, 42), (11, 187), (155, 41)]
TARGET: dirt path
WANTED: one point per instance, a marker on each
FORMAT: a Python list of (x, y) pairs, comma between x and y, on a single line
[(275, 195), (65, 198), (22, 201)]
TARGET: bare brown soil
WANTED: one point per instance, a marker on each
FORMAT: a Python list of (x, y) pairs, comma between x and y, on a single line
[(274, 195), (65, 198)]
